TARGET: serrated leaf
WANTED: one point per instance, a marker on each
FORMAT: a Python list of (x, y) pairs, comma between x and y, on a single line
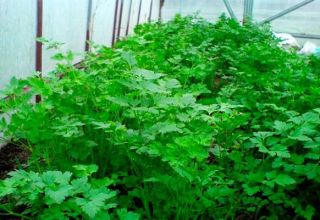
[(284, 180), (123, 214), (280, 151), (302, 138), (85, 170), (59, 195), (95, 203), (251, 190), (282, 126), (165, 127)]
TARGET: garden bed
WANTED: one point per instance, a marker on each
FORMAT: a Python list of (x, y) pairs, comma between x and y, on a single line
[(12, 157)]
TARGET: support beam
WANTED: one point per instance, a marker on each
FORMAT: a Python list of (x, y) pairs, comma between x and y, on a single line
[(160, 9), (230, 10), (89, 17), (150, 11), (120, 20), (115, 19), (129, 18), (38, 64), (248, 10), (286, 11), (308, 36), (139, 12)]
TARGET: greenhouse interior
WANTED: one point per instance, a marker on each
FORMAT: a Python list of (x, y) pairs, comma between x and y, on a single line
[(155, 109)]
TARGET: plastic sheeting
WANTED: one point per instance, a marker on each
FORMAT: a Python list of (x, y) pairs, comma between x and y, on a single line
[(210, 10), (66, 22), (304, 20), (17, 37), (102, 20)]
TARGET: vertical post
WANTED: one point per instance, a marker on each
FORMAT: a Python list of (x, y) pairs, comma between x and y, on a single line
[(38, 64), (129, 17), (139, 12), (248, 10), (150, 12), (89, 17), (115, 23), (160, 9), (230, 10), (39, 34), (120, 20)]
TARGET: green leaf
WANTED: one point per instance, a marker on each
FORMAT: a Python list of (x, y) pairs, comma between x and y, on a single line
[(94, 203), (58, 195), (165, 127), (122, 101), (284, 180), (129, 57), (282, 127), (147, 74), (251, 190), (280, 151), (85, 170), (123, 214)]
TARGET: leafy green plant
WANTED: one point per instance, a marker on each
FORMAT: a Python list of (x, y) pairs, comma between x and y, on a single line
[(56, 195), (185, 120)]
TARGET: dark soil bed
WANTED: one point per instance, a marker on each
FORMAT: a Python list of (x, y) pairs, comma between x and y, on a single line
[(12, 157)]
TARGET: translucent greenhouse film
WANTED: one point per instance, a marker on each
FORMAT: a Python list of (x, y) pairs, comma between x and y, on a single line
[(159, 109), (304, 20)]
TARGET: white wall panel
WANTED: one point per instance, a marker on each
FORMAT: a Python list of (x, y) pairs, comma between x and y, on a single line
[(145, 11), (17, 39), (155, 10), (134, 15), (125, 17), (66, 22), (102, 21)]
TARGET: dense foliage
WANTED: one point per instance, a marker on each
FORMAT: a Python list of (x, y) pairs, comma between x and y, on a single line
[(183, 120)]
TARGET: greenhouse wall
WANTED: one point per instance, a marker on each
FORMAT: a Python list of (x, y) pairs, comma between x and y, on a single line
[(73, 22), (304, 20), (68, 22)]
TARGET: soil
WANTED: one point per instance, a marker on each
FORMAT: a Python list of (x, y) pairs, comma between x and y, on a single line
[(12, 157)]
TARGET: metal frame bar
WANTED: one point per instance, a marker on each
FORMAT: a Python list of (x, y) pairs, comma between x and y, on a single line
[(139, 13), (286, 11), (150, 12), (115, 22), (160, 9), (248, 10), (308, 36), (38, 64), (230, 10), (89, 17), (129, 17), (120, 20)]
